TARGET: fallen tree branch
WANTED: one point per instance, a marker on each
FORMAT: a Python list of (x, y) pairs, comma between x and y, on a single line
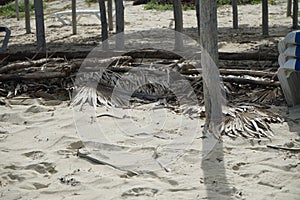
[(25, 64), (250, 81), (36, 75), (284, 148), (239, 72), (146, 53), (100, 162)]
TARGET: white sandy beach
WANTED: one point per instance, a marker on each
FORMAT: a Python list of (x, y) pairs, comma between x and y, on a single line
[(39, 140)]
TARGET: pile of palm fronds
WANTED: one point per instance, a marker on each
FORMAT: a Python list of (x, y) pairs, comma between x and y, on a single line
[(127, 81)]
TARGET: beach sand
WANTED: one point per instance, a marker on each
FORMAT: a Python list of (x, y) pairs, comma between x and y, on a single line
[(39, 140)]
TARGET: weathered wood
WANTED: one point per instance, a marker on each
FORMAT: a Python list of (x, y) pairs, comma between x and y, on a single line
[(25, 64), (177, 10), (209, 62), (74, 17), (159, 54), (96, 63), (36, 75), (104, 32), (27, 16), (197, 5), (235, 14), (40, 26), (265, 18), (250, 81), (295, 14), (119, 24), (17, 9), (289, 8), (110, 15), (237, 72)]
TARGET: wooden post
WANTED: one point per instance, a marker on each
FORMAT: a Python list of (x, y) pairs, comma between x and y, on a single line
[(289, 8), (17, 9), (198, 15), (177, 8), (295, 14), (74, 17), (119, 24), (235, 14), (40, 26), (209, 63), (27, 16), (104, 33), (110, 15), (265, 18)]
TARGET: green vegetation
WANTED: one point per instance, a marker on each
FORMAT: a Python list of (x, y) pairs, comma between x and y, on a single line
[(89, 2), (10, 9), (155, 5)]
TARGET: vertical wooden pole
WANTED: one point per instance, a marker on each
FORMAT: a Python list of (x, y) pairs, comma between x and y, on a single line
[(40, 26), (295, 14), (17, 9), (289, 8), (265, 18), (110, 15), (104, 33), (74, 17), (27, 16), (235, 14), (119, 24), (177, 8), (197, 4), (209, 63)]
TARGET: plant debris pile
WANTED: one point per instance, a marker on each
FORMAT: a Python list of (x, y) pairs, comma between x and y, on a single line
[(251, 86)]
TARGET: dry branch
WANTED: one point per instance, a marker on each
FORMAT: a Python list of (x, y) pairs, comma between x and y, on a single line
[(37, 75), (25, 64), (148, 53)]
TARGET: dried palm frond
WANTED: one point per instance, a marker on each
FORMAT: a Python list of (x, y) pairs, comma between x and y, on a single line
[(249, 122)]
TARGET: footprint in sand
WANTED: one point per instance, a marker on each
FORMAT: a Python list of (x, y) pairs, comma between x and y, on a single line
[(140, 191), (34, 155)]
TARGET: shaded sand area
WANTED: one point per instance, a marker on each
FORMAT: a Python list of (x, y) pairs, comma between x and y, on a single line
[(247, 38), (41, 151)]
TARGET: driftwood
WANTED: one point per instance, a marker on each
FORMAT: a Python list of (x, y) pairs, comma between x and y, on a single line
[(25, 64), (238, 72), (159, 54), (250, 81), (36, 75)]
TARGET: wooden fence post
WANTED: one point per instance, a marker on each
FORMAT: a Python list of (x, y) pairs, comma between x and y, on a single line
[(74, 17), (104, 33), (119, 24), (27, 16), (110, 15), (295, 14), (17, 9), (265, 18), (235, 14), (40, 26), (177, 8)]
